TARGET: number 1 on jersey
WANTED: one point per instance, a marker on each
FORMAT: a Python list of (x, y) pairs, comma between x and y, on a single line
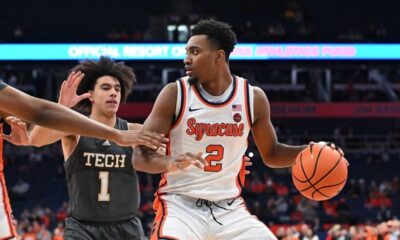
[(103, 196), (216, 155)]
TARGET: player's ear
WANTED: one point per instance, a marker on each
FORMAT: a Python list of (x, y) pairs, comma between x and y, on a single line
[(91, 94), (220, 57)]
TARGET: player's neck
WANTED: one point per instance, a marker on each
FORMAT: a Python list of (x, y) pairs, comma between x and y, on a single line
[(103, 118), (218, 85)]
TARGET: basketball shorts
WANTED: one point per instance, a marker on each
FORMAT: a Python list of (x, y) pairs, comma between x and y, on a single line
[(78, 230), (7, 227), (185, 218)]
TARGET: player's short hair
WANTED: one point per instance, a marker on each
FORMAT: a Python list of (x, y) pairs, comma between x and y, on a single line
[(220, 34), (105, 66)]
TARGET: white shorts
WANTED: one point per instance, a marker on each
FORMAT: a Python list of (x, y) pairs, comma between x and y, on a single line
[(186, 218), (7, 228)]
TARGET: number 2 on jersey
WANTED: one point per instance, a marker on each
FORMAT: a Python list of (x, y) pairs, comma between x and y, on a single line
[(103, 196), (216, 153)]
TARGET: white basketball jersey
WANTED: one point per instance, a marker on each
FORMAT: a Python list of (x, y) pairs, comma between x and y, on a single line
[(220, 131)]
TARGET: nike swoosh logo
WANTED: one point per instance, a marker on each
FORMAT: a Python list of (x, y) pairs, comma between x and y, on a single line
[(194, 109)]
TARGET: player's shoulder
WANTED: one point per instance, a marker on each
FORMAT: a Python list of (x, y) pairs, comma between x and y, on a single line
[(182, 81), (259, 94), (167, 98), (168, 93), (171, 89), (261, 103)]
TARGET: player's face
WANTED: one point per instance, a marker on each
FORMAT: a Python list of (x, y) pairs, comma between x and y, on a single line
[(106, 95), (200, 60)]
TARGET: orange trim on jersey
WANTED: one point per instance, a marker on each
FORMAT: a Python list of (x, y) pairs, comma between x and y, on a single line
[(169, 143), (159, 205), (161, 216), (198, 95), (163, 181), (183, 104), (6, 202), (246, 102), (241, 177)]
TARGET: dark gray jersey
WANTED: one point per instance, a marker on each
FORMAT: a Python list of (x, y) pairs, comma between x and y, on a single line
[(102, 184)]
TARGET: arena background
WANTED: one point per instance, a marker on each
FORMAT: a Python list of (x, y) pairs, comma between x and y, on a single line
[(343, 97)]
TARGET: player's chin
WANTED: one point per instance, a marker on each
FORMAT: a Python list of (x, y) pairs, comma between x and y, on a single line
[(113, 109), (190, 74)]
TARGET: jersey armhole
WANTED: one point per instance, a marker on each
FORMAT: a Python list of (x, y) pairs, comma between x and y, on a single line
[(249, 99), (180, 102), (78, 139)]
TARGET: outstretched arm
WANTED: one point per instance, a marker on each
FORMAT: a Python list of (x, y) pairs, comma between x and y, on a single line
[(274, 154), (40, 135), (68, 97), (55, 116), (160, 120)]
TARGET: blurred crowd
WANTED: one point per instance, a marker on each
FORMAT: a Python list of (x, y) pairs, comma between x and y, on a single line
[(387, 230), (44, 224)]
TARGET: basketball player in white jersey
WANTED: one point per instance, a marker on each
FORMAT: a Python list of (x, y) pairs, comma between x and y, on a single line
[(210, 111)]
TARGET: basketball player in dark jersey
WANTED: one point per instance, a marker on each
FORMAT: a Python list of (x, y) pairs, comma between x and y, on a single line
[(102, 183), (42, 112)]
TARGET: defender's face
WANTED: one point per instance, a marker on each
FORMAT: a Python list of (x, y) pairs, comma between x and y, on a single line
[(106, 95), (200, 59)]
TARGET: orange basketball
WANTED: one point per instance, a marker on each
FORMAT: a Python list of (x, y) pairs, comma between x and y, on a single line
[(319, 172)]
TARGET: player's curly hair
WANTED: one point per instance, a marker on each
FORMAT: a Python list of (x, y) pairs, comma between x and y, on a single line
[(220, 34), (105, 66)]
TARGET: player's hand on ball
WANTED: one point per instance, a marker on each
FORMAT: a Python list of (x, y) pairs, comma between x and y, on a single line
[(320, 171), (185, 160), (331, 145)]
